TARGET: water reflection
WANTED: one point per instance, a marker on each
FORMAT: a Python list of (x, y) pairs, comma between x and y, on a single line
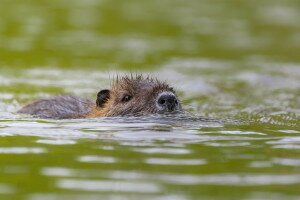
[(108, 186), (162, 150), (234, 179), (56, 141), (181, 179), (21, 150), (177, 162), (106, 196), (96, 159), (6, 189)]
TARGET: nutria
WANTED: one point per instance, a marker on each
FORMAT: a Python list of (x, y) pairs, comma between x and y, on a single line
[(129, 95)]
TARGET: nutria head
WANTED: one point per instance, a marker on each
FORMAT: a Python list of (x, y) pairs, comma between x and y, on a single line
[(137, 95)]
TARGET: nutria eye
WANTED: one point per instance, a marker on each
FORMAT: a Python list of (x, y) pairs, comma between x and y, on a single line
[(126, 98)]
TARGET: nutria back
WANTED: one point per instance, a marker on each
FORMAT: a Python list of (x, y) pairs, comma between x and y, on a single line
[(59, 107)]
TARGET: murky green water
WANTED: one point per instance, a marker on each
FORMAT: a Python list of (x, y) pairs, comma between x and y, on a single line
[(236, 67)]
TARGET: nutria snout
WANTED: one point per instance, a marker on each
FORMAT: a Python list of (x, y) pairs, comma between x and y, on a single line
[(128, 96), (167, 102)]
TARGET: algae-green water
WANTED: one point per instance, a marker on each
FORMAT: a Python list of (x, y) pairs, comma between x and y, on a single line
[(235, 65)]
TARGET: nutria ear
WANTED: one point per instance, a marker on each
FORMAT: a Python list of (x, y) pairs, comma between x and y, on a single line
[(102, 97)]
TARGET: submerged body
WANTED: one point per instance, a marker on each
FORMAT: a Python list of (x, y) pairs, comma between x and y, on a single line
[(133, 96), (59, 107)]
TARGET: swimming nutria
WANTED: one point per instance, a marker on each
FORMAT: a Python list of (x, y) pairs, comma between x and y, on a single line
[(129, 95)]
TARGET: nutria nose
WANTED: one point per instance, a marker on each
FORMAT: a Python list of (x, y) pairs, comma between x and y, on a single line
[(167, 102)]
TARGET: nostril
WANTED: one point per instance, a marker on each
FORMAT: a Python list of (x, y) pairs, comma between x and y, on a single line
[(162, 101)]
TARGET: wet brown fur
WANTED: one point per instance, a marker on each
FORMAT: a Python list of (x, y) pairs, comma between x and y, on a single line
[(142, 91)]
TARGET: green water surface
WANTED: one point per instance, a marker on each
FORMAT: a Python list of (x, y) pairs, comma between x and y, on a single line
[(233, 61)]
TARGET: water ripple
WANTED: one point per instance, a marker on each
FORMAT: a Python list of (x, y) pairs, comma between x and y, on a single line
[(22, 150), (96, 159), (108, 186), (56, 142), (169, 161), (50, 196), (6, 189), (233, 179), (162, 150)]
